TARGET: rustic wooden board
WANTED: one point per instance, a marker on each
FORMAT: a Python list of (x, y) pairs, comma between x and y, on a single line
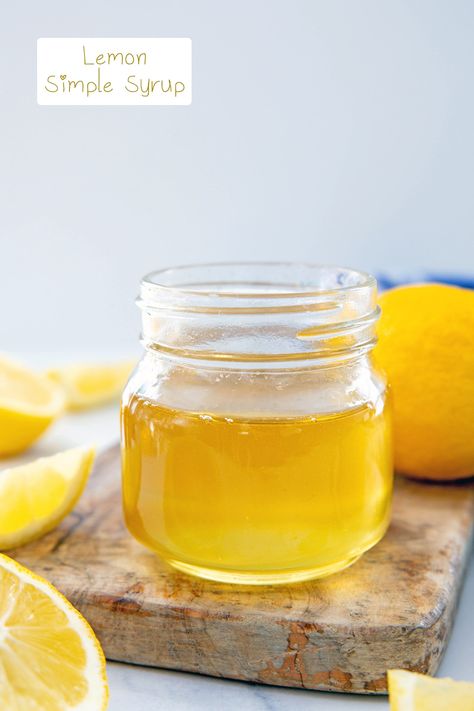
[(393, 608)]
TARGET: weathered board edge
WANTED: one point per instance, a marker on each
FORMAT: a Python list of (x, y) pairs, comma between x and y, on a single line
[(288, 667)]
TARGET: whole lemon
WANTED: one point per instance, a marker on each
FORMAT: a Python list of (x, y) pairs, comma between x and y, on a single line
[(426, 347)]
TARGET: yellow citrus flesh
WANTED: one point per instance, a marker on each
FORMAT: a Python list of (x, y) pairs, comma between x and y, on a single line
[(29, 403), (50, 659), (415, 692), (89, 385), (35, 497), (426, 347)]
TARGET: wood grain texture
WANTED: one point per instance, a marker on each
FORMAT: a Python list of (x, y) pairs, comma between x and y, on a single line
[(393, 608)]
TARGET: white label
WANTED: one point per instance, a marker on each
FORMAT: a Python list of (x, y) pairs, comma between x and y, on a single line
[(114, 71)]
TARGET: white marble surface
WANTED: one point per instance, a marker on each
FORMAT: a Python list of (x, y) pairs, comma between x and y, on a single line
[(141, 689)]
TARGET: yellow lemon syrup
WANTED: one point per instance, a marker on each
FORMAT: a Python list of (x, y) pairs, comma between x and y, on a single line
[(256, 499)]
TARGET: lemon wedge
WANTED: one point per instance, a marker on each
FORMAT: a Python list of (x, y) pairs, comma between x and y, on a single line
[(29, 403), (50, 659), (416, 692), (90, 385), (35, 497)]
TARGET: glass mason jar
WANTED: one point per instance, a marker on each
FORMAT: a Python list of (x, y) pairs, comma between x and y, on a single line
[(256, 432)]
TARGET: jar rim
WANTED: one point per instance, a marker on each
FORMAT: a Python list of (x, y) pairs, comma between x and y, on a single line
[(256, 311), (345, 279)]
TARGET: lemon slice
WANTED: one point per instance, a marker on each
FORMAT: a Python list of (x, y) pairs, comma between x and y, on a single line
[(417, 692), (50, 659), (89, 385), (29, 403), (35, 497)]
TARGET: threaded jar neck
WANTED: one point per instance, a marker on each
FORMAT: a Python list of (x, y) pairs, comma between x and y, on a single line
[(260, 313)]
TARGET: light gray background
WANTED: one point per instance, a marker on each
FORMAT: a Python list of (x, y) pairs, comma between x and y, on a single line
[(324, 130)]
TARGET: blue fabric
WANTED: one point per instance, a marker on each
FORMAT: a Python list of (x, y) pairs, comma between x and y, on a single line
[(388, 281)]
